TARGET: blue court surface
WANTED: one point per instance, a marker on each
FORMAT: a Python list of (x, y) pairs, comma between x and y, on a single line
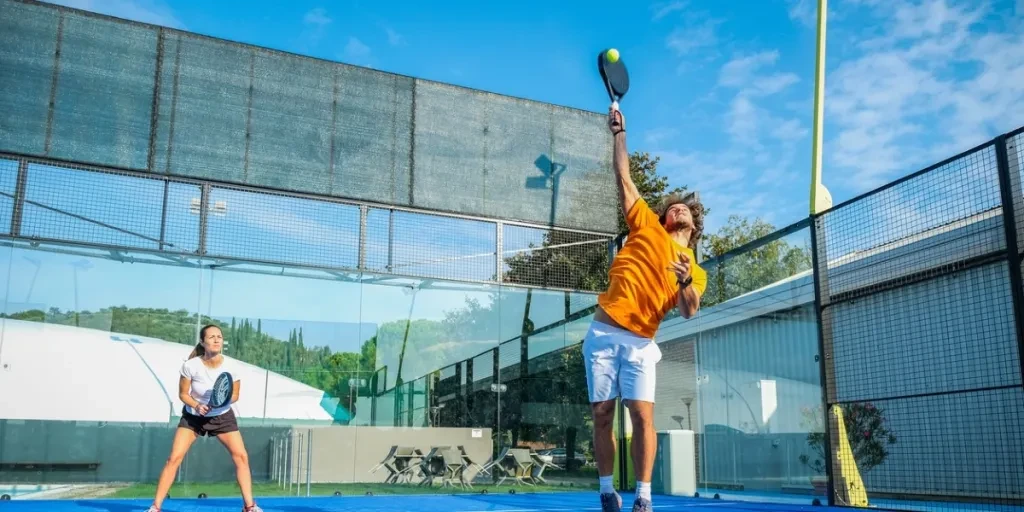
[(544, 502)]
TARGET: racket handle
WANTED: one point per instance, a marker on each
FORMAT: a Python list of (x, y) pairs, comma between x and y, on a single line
[(615, 105)]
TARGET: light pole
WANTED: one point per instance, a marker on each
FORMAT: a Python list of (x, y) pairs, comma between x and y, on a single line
[(82, 264), (689, 424)]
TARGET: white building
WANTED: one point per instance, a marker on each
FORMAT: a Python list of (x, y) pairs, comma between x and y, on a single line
[(66, 373)]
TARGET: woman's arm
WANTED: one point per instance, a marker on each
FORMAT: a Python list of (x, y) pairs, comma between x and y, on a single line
[(184, 386)]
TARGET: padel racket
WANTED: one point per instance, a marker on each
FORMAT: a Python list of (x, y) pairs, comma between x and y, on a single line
[(613, 72), (222, 390)]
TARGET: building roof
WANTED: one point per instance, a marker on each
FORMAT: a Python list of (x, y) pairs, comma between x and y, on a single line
[(59, 372)]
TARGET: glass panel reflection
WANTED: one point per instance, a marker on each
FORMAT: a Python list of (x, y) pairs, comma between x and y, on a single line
[(90, 309), (350, 381), (744, 377)]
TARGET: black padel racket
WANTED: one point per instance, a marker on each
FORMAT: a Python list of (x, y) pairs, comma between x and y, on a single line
[(223, 388), (613, 72)]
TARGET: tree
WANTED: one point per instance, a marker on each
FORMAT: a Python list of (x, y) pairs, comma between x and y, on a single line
[(757, 268), (564, 260)]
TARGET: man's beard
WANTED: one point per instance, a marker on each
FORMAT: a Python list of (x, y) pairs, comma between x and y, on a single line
[(678, 227)]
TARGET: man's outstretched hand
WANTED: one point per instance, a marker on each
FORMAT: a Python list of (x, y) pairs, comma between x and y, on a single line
[(616, 121)]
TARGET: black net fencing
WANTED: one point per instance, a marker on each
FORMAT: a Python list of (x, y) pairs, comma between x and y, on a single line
[(920, 305)]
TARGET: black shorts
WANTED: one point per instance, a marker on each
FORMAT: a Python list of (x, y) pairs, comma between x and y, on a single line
[(209, 426)]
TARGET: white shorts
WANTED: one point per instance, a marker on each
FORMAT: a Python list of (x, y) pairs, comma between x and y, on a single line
[(619, 364)]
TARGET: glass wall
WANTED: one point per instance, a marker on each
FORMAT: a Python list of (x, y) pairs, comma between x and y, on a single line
[(744, 375), (424, 372)]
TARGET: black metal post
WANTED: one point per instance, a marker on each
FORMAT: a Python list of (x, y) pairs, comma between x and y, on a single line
[(1007, 182), (468, 395), (819, 262), (163, 216), (19, 197), (55, 76), (204, 207), (154, 114), (248, 117)]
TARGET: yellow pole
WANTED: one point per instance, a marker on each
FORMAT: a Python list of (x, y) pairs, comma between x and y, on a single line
[(820, 198)]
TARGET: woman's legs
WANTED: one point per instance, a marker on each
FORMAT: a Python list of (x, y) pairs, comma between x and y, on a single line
[(233, 442), (183, 439)]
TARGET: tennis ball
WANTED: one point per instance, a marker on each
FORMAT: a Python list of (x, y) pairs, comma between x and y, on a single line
[(612, 55)]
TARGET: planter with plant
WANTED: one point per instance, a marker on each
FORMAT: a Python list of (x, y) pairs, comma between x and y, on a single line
[(866, 431)]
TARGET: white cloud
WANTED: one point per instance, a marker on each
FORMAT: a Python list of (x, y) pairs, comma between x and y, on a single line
[(723, 179), (742, 120), (317, 18), (804, 12), (740, 70), (700, 170), (743, 72), (356, 52), (394, 38), (315, 22), (754, 161), (657, 136), (662, 9), (789, 130), (753, 77), (154, 12), (935, 82), (687, 40)]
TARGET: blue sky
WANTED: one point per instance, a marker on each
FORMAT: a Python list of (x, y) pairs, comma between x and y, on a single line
[(721, 91)]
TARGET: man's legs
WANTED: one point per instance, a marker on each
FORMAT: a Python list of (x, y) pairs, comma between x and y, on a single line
[(644, 445), (637, 381), (604, 443), (600, 358)]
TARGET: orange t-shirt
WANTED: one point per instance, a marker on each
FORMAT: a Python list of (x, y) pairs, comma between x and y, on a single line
[(642, 287)]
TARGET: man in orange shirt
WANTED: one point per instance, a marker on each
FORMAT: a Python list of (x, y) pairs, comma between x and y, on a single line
[(655, 271)]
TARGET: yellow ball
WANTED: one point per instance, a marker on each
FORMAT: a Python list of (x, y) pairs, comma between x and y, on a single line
[(612, 55)]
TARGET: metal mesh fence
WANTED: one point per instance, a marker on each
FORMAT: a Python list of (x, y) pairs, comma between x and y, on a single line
[(126, 211), (91, 89), (8, 187), (920, 330), (876, 355), (559, 259), (1015, 166)]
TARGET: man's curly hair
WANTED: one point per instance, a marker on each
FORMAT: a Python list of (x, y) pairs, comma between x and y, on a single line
[(692, 201)]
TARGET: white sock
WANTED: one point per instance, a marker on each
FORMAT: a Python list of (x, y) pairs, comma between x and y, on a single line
[(643, 490), (606, 484)]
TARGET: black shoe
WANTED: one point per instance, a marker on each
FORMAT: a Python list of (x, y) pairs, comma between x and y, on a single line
[(611, 502)]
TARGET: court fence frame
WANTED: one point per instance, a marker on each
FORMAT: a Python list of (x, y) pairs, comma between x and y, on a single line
[(372, 251), (1002, 246), (980, 227), (888, 247)]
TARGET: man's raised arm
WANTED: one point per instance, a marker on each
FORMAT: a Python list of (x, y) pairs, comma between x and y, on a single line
[(628, 193)]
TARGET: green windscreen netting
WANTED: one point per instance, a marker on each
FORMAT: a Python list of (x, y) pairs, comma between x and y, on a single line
[(96, 90)]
